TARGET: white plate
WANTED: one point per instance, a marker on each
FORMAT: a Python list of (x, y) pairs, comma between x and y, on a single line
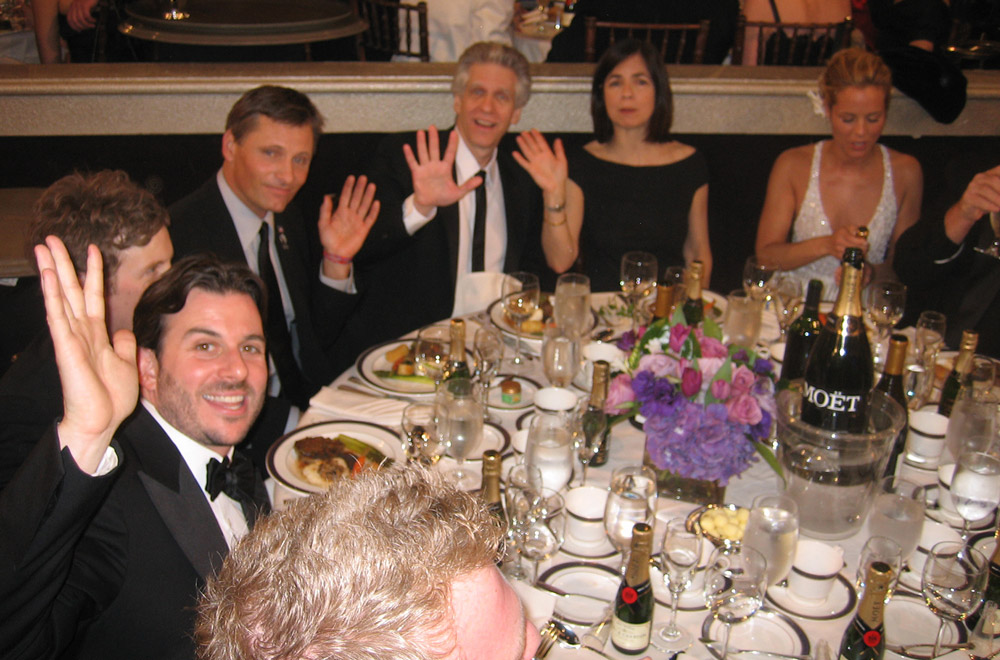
[(281, 459), (951, 518), (909, 621), (840, 602), (767, 630), (374, 360), (588, 549), (984, 542), (582, 578), (494, 398), (532, 341), (494, 437)]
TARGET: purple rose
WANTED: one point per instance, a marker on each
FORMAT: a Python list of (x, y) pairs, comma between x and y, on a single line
[(743, 379), (720, 389), (678, 335), (627, 341), (619, 393), (743, 409), (690, 382), (659, 365), (712, 347), (762, 367)]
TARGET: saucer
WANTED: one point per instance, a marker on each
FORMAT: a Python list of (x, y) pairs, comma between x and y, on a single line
[(494, 399), (840, 602), (766, 631), (953, 519), (909, 621), (692, 600), (524, 421), (984, 542), (588, 549)]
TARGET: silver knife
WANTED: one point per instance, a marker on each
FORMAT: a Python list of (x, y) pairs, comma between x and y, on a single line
[(544, 586)]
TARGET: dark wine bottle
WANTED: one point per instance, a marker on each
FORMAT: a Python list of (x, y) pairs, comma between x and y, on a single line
[(838, 375), (595, 420), (664, 301), (959, 375), (457, 366), (992, 589), (864, 638), (891, 384), (694, 307), (633, 616), (802, 334)]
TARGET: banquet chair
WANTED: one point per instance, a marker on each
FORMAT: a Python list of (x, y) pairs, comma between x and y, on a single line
[(677, 42), (390, 30), (791, 44)]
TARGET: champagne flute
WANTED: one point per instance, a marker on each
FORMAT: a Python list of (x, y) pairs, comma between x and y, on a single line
[(953, 582), (571, 303), (677, 561), (631, 500), (430, 352), (994, 249), (786, 294), (638, 278), (773, 530), (461, 427), (885, 301), (735, 581), (520, 300), (757, 274), (521, 494), (560, 356), (975, 487), (544, 529), (421, 442), (487, 348)]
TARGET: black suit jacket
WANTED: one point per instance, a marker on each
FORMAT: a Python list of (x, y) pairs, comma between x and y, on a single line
[(105, 567), (409, 281), (201, 222)]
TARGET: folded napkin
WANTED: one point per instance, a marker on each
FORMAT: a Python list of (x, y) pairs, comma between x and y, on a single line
[(339, 403), (538, 604), (475, 291)]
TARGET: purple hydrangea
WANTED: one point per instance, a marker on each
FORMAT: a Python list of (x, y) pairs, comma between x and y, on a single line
[(627, 341), (762, 367)]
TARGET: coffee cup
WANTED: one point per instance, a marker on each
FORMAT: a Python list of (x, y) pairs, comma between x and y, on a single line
[(585, 505), (814, 570), (925, 440), (555, 399), (933, 533)]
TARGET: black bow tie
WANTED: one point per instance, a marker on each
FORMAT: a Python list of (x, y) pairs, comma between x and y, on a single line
[(235, 479)]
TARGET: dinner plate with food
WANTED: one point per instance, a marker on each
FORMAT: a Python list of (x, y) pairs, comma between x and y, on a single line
[(310, 459), (390, 367), (533, 328)]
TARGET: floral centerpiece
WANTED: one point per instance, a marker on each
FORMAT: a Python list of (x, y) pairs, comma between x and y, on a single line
[(708, 407)]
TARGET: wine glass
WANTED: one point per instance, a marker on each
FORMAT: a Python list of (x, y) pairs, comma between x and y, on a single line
[(975, 487), (549, 448), (677, 561), (994, 249), (786, 295), (593, 425), (757, 274), (927, 341), (674, 276), (953, 582), (631, 500), (773, 530), (487, 348), (421, 442), (430, 352), (898, 513), (885, 301), (520, 300), (544, 529), (521, 493), (638, 279), (735, 581), (571, 303), (560, 356), (461, 427), (883, 549)]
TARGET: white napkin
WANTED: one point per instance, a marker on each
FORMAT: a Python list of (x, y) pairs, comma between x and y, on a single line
[(475, 291), (538, 604), (339, 404)]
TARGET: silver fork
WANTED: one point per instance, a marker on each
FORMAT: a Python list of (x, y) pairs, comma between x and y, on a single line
[(548, 633)]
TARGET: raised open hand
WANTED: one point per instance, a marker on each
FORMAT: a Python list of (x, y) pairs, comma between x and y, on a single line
[(100, 381), (433, 176), (547, 166), (343, 231)]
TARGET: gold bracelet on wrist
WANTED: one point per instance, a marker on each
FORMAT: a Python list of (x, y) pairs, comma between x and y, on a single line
[(557, 208), (556, 224)]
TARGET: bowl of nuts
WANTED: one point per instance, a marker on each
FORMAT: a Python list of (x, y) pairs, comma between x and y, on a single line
[(722, 525)]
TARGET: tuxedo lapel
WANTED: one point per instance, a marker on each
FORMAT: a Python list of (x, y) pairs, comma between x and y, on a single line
[(175, 494), (219, 236)]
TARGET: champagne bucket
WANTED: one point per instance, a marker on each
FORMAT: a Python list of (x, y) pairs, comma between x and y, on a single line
[(832, 475)]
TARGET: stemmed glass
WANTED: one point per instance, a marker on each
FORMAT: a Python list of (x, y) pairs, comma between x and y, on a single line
[(883, 549), (544, 529), (898, 513), (632, 500), (487, 348), (521, 494), (421, 442), (461, 427), (786, 295), (975, 487), (994, 249), (927, 342), (677, 560), (520, 300), (571, 303), (674, 276), (638, 279), (430, 352), (885, 301), (953, 581), (560, 356), (734, 586), (773, 531), (756, 277)]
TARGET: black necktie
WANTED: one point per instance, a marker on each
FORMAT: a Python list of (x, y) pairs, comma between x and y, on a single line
[(479, 227), (279, 341), (238, 480)]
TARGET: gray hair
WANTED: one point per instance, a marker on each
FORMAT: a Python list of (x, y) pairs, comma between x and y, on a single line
[(492, 52)]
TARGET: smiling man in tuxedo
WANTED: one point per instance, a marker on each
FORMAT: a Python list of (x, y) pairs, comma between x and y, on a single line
[(111, 526)]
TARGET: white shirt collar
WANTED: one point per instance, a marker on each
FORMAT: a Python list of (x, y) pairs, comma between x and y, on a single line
[(196, 455), (247, 222), (466, 164)]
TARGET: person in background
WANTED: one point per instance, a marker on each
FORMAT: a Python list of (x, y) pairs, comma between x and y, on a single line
[(819, 195), (454, 25), (790, 11), (633, 187)]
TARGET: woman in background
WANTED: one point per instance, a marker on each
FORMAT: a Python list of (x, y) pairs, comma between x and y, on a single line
[(819, 195)]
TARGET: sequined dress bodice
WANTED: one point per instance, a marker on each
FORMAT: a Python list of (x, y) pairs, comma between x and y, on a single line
[(811, 222)]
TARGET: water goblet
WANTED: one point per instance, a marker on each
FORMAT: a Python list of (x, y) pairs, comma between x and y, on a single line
[(560, 356), (544, 529), (430, 352), (885, 301), (461, 427), (631, 500), (898, 513), (735, 581), (952, 583), (757, 275), (638, 278), (677, 561), (975, 487), (773, 530), (994, 249), (487, 348), (571, 303), (883, 549), (521, 493), (549, 448), (973, 422), (520, 300), (421, 442), (786, 296)]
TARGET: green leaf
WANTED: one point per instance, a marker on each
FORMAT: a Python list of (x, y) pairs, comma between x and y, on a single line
[(769, 458), (654, 330), (724, 373), (711, 329)]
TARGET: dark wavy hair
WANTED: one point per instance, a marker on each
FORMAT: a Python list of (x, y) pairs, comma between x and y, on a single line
[(169, 294), (281, 104), (658, 129)]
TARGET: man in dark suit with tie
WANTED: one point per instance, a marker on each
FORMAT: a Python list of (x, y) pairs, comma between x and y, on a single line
[(244, 214), (112, 524), (448, 213)]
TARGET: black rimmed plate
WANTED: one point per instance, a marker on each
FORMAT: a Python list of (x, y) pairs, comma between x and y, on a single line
[(766, 631), (524, 421), (588, 550), (908, 621), (373, 361), (840, 602), (494, 398), (578, 577), (531, 339)]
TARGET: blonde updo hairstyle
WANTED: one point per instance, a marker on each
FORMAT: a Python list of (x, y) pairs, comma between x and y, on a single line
[(854, 67)]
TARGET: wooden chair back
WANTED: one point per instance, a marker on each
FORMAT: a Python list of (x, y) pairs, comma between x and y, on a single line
[(678, 43), (390, 30), (792, 44)]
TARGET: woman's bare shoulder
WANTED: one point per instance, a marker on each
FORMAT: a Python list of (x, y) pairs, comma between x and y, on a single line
[(905, 166)]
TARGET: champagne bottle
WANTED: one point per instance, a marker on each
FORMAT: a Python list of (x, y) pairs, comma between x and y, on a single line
[(864, 638), (992, 590), (959, 375), (457, 366), (838, 375), (664, 301), (694, 307), (595, 420), (802, 334), (633, 616), (492, 462), (891, 384)]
